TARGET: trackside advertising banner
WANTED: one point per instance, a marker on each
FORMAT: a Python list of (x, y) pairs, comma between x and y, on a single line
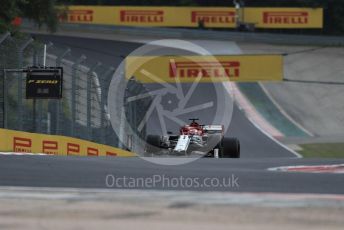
[(212, 17), (176, 16), (284, 18), (24, 142), (151, 16), (241, 68), (89, 15)]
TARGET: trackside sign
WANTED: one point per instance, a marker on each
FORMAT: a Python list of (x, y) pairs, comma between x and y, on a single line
[(142, 16), (297, 17), (214, 17), (239, 68), (78, 16), (23, 142), (211, 17), (44, 83), (224, 69), (285, 18)]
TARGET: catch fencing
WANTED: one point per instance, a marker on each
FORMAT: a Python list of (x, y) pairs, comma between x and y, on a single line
[(82, 111)]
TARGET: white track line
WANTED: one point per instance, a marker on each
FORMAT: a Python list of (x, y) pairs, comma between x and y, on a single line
[(23, 154), (335, 168)]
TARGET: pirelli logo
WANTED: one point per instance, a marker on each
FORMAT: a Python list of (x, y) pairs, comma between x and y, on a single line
[(204, 68), (78, 16), (225, 17), (142, 16), (22, 145), (227, 69), (50, 147), (286, 18)]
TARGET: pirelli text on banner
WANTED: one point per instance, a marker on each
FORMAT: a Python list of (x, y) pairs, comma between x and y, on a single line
[(23, 142), (285, 18), (101, 15), (239, 68), (175, 16), (79, 16), (142, 16), (211, 17)]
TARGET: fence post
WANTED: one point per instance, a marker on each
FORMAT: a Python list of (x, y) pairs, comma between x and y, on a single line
[(34, 57), (131, 107), (2, 98), (59, 58), (123, 134), (40, 101), (4, 88), (20, 84), (60, 101), (74, 76), (135, 124), (103, 111), (88, 98)]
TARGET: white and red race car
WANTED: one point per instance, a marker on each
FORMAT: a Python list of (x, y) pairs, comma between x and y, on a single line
[(207, 140)]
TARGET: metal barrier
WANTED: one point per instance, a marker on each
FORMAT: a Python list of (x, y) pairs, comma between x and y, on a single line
[(81, 113)]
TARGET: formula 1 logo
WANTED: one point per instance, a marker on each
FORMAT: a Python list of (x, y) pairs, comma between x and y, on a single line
[(285, 17), (226, 69), (78, 16), (143, 16), (225, 17)]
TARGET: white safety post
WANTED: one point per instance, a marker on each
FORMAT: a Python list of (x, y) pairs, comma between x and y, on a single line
[(44, 54), (216, 153), (122, 130), (237, 12)]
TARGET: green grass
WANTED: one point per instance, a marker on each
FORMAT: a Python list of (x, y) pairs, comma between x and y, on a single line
[(326, 150)]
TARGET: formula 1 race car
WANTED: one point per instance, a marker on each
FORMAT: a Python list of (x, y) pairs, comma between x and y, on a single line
[(207, 140)]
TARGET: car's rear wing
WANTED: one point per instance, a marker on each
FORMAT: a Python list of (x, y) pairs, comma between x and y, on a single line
[(213, 128)]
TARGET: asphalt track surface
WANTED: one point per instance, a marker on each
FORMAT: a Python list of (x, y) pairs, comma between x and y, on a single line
[(83, 172), (258, 153)]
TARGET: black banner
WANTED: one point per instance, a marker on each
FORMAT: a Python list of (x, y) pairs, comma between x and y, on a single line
[(44, 83)]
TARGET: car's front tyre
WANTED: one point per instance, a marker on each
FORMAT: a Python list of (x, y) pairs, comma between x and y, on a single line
[(152, 144), (230, 148)]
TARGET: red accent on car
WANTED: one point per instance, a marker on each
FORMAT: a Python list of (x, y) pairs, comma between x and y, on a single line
[(193, 129)]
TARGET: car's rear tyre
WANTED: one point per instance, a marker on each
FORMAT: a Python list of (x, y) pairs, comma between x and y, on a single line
[(230, 148), (152, 144)]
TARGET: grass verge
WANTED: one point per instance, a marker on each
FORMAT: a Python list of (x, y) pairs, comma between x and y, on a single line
[(326, 150)]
